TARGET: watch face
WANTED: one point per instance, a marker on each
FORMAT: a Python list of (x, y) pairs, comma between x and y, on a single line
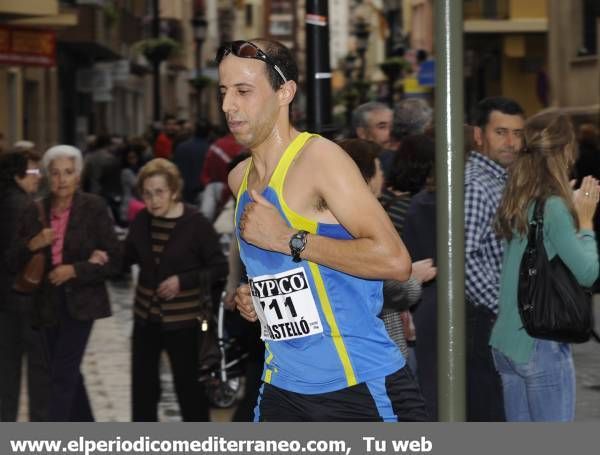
[(297, 243)]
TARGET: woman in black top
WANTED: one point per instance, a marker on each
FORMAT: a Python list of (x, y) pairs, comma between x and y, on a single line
[(21, 234), (179, 256)]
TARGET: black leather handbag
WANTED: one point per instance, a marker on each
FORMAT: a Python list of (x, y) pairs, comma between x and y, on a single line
[(552, 304)]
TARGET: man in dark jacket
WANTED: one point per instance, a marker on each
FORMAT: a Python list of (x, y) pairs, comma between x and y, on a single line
[(189, 158)]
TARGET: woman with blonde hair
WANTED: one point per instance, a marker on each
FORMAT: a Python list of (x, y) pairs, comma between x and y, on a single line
[(178, 253), (538, 376)]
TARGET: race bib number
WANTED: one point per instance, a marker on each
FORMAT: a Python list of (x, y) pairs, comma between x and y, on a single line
[(285, 305)]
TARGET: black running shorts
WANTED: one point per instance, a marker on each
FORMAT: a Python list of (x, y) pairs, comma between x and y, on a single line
[(394, 398)]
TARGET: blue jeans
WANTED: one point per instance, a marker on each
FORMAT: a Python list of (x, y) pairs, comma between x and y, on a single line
[(542, 389)]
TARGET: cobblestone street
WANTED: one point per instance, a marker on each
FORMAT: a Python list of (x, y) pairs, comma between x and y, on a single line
[(107, 366), (107, 369)]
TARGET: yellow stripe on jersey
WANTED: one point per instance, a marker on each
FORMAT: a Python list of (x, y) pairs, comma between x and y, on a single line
[(300, 222), (269, 358), (338, 340), (243, 187), (268, 376)]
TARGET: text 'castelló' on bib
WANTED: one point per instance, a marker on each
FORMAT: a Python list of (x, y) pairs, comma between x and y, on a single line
[(285, 305)]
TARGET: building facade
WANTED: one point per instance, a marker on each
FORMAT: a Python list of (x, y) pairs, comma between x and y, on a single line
[(29, 84), (574, 61)]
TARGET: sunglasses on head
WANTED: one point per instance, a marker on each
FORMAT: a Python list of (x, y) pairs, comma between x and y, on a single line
[(246, 49)]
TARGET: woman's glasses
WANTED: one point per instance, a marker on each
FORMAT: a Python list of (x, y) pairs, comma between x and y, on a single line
[(246, 49), (36, 172)]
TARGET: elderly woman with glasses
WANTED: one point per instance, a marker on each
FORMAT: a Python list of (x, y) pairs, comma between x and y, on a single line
[(21, 235), (179, 256), (84, 253)]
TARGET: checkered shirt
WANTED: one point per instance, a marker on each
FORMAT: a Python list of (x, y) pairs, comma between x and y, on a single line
[(484, 184)]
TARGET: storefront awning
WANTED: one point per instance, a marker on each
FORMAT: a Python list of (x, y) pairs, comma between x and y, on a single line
[(56, 21)]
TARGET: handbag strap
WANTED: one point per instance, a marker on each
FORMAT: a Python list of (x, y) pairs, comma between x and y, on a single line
[(536, 225), (42, 214)]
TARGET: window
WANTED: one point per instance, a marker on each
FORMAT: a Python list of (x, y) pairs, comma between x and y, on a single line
[(590, 15)]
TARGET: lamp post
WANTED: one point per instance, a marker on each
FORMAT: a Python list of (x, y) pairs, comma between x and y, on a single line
[(349, 95), (362, 32), (200, 26), (393, 68), (156, 63)]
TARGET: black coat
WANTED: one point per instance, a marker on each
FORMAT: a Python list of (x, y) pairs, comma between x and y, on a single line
[(18, 224), (89, 228)]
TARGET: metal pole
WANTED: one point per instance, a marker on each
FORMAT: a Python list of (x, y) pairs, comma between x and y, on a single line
[(199, 89), (318, 71), (450, 210), (155, 62)]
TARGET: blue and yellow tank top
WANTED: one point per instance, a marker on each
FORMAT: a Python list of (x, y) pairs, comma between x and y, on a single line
[(319, 325)]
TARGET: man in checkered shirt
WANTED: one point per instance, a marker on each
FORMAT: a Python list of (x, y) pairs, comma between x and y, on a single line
[(499, 137)]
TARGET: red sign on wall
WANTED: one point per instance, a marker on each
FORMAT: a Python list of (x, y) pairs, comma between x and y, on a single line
[(28, 47)]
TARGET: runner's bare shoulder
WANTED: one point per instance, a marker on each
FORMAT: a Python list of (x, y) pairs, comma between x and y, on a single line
[(235, 177), (324, 157), (322, 151)]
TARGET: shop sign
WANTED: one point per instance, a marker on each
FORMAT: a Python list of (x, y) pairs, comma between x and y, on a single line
[(27, 47)]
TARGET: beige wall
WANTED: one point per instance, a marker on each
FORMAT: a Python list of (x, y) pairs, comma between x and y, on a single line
[(173, 9), (11, 104), (521, 85), (421, 29), (575, 81), (40, 105), (528, 8), (29, 7)]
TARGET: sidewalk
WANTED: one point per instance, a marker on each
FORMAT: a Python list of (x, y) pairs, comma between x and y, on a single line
[(107, 366), (107, 372), (587, 371)]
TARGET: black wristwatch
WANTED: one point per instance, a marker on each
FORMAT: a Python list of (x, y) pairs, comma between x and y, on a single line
[(297, 245)]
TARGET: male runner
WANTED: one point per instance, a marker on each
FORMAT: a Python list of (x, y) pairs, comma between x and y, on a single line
[(315, 243)]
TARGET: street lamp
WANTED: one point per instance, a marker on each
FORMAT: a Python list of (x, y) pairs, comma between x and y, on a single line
[(200, 26), (349, 65), (362, 32)]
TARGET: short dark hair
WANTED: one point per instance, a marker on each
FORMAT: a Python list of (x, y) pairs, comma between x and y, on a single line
[(12, 164), (201, 127), (281, 56), (363, 153), (495, 103), (413, 163), (103, 140), (31, 155)]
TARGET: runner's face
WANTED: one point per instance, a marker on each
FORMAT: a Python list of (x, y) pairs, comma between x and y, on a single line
[(249, 102)]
